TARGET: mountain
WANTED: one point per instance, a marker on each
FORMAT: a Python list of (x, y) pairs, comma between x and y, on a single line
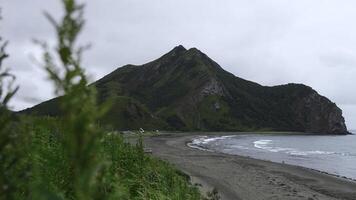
[(186, 90)]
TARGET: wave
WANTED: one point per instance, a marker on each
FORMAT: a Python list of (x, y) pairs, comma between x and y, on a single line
[(200, 142), (205, 139), (238, 147), (268, 145)]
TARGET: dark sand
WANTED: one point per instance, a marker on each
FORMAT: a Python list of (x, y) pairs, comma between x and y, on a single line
[(238, 177)]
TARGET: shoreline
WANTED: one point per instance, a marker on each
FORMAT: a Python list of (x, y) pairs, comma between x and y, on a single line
[(190, 145), (239, 177)]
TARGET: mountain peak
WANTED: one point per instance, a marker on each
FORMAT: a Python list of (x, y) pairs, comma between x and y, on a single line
[(178, 49), (174, 53)]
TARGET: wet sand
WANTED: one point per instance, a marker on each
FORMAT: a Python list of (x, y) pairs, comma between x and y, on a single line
[(238, 177)]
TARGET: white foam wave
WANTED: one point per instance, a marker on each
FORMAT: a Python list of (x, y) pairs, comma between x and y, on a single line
[(191, 145), (206, 139), (200, 142), (268, 145), (239, 147), (262, 144)]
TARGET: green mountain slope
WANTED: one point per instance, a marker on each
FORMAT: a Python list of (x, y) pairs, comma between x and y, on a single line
[(186, 90)]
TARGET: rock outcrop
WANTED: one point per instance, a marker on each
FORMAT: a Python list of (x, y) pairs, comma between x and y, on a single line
[(320, 115)]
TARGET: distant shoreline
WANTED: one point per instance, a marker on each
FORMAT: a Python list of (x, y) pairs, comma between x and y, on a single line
[(238, 177)]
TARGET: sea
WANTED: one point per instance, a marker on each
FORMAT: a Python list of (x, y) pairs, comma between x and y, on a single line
[(332, 154)]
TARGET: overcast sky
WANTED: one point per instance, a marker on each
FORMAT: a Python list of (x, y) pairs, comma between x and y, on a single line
[(267, 41)]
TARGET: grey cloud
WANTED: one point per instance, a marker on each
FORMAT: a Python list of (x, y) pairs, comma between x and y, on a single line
[(339, 59), (270, 42)]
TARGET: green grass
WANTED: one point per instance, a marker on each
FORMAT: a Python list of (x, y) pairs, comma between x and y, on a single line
[(125, 171)]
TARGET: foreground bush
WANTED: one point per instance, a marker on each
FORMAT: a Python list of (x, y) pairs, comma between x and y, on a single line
[(71, 157)]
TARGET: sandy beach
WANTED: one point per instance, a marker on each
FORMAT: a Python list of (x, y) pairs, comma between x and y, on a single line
[(238, 177)]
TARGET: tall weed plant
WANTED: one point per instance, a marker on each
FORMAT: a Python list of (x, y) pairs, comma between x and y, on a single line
[(70, 156)]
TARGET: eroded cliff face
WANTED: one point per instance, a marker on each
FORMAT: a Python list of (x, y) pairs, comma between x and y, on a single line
[(319, 115)]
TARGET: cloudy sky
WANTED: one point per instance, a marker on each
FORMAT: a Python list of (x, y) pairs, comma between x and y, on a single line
[(267, 41)]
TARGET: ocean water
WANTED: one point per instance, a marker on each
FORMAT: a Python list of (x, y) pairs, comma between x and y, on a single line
[(332, 154)]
